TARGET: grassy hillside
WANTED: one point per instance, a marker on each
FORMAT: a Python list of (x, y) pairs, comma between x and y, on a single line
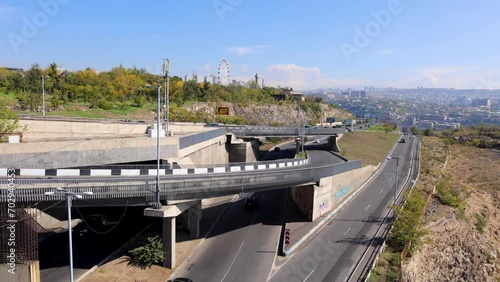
[(370, 147)]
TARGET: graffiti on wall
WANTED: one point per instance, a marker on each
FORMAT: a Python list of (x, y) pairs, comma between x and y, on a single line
[(342, 192)]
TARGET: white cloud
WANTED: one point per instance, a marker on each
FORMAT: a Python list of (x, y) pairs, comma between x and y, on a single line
[(303, 78), (207, 67), (246, 50), (244, 68)]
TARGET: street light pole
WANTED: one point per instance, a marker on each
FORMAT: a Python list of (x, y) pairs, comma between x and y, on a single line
[(69, 197), (43, 95), (158, 116), (166, 70)]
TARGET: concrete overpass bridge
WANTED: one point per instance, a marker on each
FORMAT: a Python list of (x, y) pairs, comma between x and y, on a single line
[(181, 189)]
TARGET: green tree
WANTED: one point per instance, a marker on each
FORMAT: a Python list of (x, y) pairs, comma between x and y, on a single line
[(34, 79), (8, 122)]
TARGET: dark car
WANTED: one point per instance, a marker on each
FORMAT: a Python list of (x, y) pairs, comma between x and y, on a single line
[(251, 203), (181, 279), (277, 149)]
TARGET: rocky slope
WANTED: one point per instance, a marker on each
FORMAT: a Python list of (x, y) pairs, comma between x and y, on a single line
[(463, 247), (271, 114)]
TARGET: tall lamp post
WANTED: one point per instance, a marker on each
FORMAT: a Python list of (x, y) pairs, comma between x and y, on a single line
[(43, 95), (166, 70), (396, 181), (69, 196), (158, 116)]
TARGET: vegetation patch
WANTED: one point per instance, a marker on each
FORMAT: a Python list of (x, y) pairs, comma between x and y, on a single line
[(369, 147)]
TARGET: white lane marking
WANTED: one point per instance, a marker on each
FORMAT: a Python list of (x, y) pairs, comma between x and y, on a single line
[(308, 276), (367, 207), (347, 231), (232, 262), (381, 191)]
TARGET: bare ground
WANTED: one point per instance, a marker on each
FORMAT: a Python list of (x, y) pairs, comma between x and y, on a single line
[(463, 249)]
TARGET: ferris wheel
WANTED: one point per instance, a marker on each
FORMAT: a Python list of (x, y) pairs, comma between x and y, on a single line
[(223, 72)]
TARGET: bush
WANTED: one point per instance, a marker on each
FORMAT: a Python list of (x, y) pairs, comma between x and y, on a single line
[(139, 100), (104, 104), (149, 254)]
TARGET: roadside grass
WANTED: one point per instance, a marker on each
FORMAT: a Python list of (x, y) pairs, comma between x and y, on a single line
[(369, 147), (376, 128)]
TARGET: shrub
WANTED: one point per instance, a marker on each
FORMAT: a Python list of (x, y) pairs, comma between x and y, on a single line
[(104, 104), (149, 254)]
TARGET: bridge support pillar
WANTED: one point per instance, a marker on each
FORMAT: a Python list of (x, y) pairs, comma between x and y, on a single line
[(332, 143), (168, 214), (168, 240), (194, 217)]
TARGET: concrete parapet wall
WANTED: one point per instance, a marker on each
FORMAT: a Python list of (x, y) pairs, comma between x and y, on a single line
[(318, 200), (56, 154), (212, 151), (46, 129), (53, 129)]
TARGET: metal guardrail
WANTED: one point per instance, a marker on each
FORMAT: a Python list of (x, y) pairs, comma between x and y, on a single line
[(250, 131), (174, 187)]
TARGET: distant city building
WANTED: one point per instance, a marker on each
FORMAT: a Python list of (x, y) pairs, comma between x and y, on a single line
[(356, 94), (438, 118), (481, 102)]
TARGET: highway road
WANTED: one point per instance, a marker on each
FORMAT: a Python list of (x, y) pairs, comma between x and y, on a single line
[(243, 244), (335, 250)]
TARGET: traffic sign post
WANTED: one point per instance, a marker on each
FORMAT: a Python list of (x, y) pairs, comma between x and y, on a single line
[(287, 236)]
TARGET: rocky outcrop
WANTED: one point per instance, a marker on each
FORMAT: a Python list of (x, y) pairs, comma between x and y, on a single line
[(271, 114)]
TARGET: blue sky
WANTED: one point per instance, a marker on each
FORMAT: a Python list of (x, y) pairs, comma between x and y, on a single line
[(301, 44)]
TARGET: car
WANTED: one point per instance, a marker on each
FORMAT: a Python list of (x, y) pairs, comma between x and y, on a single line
[(181, 279), (277, 149), (402, 140), (287, 150), (251, 203)]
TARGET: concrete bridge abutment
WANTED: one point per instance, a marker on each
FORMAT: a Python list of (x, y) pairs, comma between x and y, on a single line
[(330, 192)]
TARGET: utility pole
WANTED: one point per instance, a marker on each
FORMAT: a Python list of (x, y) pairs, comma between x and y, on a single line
[(166, 70), (43, 95), (158, 117)]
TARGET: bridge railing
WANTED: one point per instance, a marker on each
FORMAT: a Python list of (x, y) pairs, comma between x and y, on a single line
[(173, 187)]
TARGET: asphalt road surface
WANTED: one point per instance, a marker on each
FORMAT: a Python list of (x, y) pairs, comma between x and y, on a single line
[(243, 244), (334, 251)]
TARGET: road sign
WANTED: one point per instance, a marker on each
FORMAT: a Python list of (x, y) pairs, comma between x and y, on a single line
[(222, 111), (287, 236)]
